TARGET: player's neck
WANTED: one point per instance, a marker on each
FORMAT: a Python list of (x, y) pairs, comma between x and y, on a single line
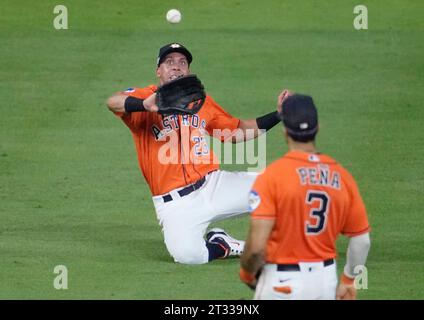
[(304, 147)]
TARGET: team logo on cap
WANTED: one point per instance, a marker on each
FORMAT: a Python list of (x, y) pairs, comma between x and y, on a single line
[(304, 125), (175, 45), (254, 200)]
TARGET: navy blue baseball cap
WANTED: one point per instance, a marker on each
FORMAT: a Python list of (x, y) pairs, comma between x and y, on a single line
[(173, 47), (299, 115)]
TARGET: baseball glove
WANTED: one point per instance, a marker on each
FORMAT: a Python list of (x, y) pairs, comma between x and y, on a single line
[(185, 95)]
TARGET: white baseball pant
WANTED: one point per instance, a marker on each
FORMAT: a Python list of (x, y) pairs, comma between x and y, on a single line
[(314, 281), (184, 220)]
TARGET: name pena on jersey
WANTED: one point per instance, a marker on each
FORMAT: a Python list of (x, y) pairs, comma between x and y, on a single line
[(170, 123), (319, 175)]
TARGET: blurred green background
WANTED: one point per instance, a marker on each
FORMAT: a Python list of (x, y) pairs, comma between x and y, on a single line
[(71, 192)]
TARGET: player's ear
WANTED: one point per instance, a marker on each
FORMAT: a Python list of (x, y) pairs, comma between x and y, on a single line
[(158, 72)]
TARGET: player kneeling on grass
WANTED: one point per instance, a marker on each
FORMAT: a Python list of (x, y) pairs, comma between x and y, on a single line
[(168, 124), (300, 204)]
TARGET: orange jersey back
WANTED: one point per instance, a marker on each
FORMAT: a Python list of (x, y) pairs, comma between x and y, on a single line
[(312, 199), (172, 151)]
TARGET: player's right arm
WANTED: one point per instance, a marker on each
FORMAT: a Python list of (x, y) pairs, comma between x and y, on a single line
[(132, 105), (253, 257), (262, 205), (123, 103), (261, 124)]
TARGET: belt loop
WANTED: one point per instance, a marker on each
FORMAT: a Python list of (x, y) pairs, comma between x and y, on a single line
[(328, 262), (167, 198)]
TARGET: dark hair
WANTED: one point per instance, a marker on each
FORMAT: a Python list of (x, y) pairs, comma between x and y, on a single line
[(302, 138)]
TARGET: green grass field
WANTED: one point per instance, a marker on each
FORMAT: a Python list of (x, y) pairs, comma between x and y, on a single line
[(71, 192)]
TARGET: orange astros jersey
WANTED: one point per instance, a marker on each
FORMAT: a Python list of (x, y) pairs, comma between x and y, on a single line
[(312, 199), (167, 163)]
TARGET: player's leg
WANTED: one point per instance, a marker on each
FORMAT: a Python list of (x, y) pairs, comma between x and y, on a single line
[(319, 281), (228, 193), (184, 222), (330, 282), (183, 236), (186, 243), (225, 195)]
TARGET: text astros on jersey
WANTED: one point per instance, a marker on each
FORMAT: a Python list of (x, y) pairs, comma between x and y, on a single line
[(177, 139)]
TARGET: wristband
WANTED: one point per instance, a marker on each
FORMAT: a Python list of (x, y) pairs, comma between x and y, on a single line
[(246, 277), (133, 104), (346, 280), (268, 121)]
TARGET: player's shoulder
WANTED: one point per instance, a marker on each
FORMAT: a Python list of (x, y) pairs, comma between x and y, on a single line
[(211, 102), (290, 163), (132, 90), (140, 92), (327, 160), (278, 163), (212, 108), (345, 174), (275, 170), (285, 162)]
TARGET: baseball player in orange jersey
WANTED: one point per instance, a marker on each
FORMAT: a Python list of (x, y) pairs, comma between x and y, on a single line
[(189, 191), (300, 204)]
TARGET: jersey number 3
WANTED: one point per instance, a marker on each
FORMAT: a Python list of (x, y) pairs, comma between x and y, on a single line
[(319, 214)]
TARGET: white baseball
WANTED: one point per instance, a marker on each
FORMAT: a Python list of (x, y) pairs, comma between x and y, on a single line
[(173, 16)]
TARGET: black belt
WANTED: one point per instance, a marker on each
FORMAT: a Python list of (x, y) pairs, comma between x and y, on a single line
[(186, 191), (296, 267)]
